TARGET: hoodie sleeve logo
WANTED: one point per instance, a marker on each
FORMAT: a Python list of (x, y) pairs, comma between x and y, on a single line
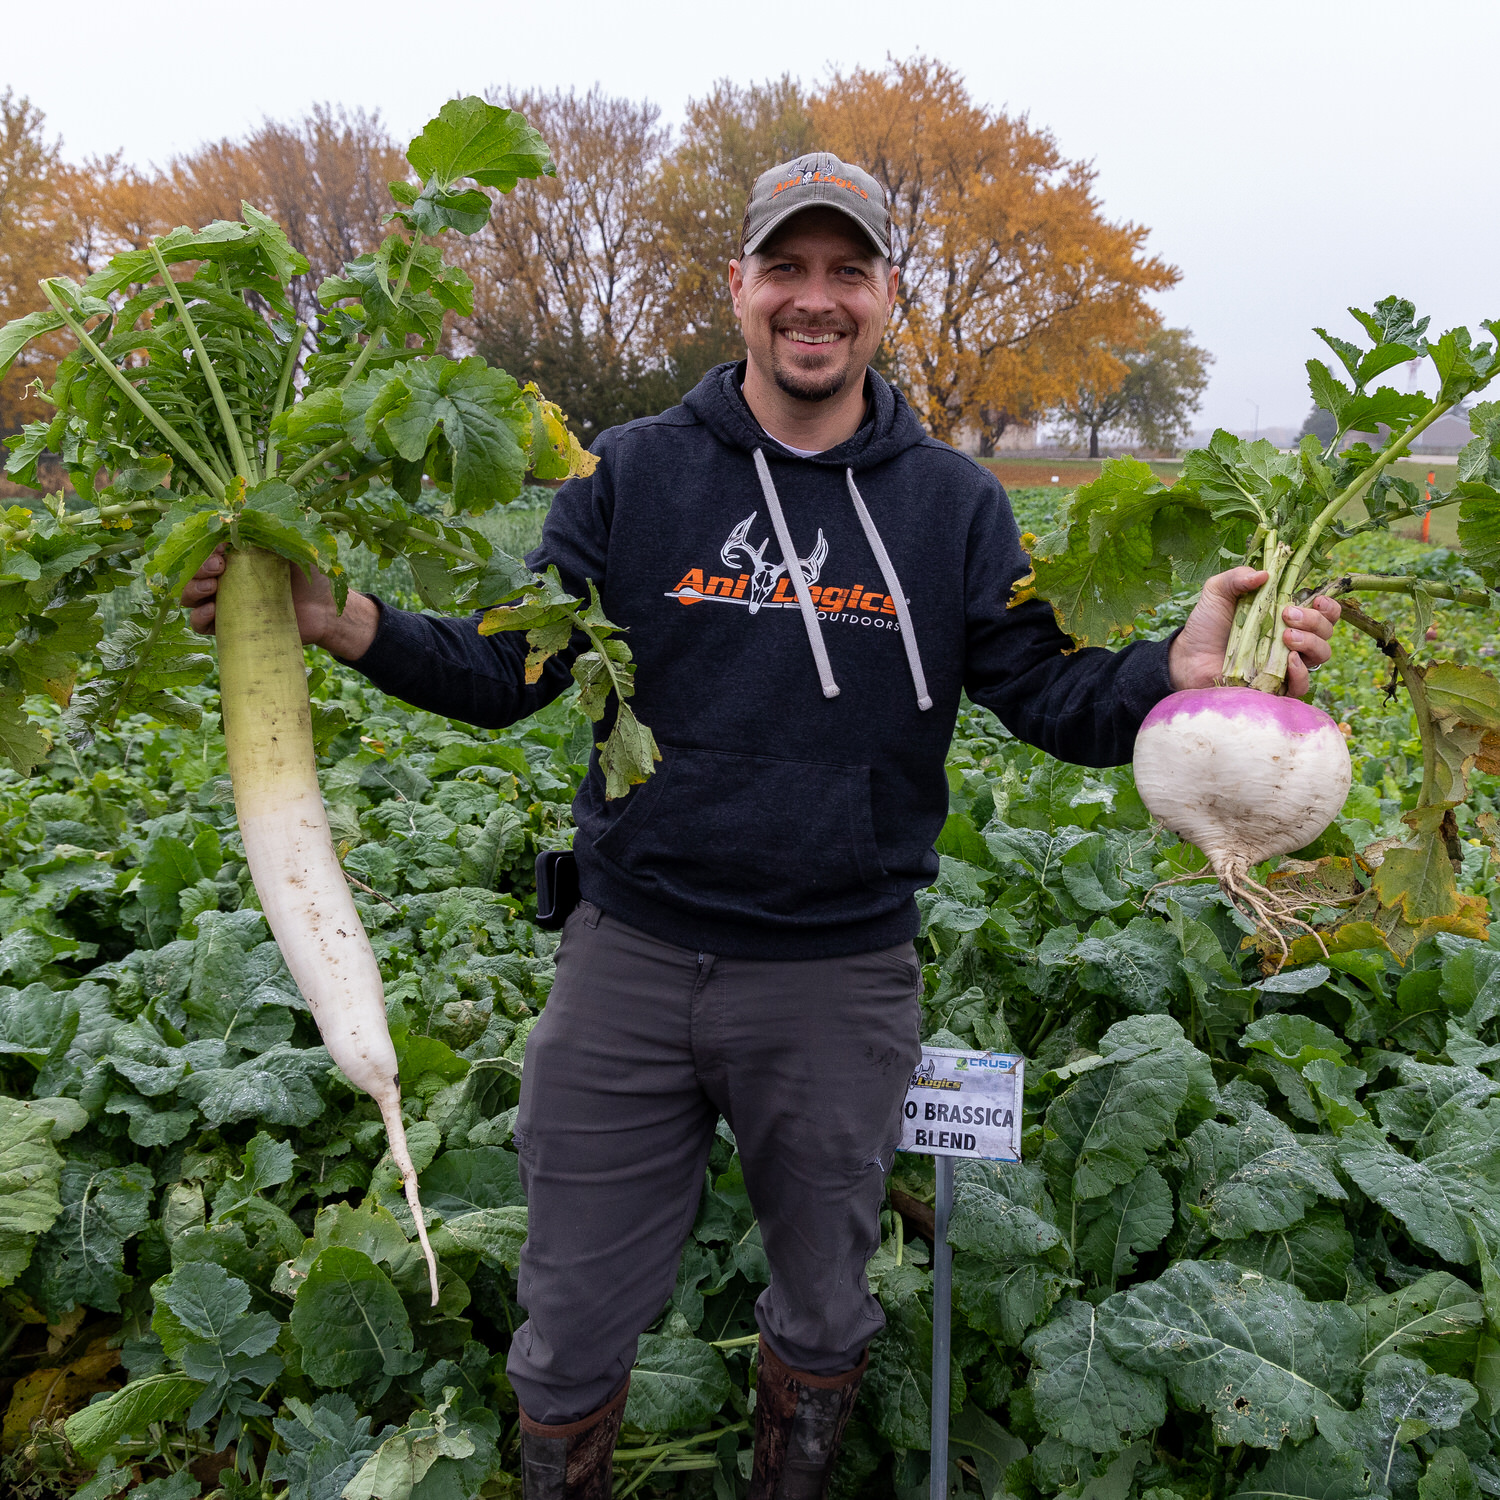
[(756, 583)]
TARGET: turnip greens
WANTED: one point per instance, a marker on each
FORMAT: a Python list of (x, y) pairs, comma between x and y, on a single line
[(1128, 540)]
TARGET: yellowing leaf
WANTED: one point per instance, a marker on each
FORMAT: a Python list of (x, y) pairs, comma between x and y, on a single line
[(555, 452), (1023, 589), (1419, 878), (1465, 694), (1348, 937), (51, 1393), (546, 641), (581, 463), (628, 754), (1470, 920), (1326, 880), (1465, 703)]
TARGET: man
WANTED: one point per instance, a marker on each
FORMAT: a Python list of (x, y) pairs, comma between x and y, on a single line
[(810, 583)]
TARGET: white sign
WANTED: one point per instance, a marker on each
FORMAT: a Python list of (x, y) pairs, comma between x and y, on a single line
[(964, 1104)]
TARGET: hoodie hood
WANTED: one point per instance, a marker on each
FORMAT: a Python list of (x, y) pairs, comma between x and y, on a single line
[(890, 428)]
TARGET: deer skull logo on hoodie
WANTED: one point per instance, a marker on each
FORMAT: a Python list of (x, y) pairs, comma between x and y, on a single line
[(764, 574)]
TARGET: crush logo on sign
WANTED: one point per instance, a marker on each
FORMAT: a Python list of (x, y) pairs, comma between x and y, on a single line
[(755, 582)]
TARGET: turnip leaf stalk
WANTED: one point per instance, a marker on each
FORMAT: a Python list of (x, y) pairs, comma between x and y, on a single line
[(196, 412), (1225, 767)]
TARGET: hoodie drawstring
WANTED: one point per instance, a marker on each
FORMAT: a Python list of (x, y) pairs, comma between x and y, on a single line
[(794, 572), (805, 604), (893, 586)]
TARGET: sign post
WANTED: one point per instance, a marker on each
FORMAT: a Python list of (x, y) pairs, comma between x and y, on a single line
[(942, 1325), (958, 1104)]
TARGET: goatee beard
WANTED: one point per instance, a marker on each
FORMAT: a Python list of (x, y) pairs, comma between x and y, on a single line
[(805, 390)]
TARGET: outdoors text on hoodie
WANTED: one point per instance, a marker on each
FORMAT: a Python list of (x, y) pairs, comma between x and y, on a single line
[(802, 782)]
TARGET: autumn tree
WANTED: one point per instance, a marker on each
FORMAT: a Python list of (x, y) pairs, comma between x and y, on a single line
[(33, 241), (322, 178), (566, 276), (1013, 283), (1149, 397), (728, 138), (111, 206)]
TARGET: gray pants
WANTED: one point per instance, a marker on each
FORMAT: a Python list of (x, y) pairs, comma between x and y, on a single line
[(641, 1047)]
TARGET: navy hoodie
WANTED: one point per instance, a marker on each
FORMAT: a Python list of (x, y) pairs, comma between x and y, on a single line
[(783, 822)]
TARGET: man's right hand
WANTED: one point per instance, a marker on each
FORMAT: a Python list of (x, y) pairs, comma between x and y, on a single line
[(348, 635)]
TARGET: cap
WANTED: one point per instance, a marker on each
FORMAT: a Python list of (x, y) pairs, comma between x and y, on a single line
[(817, 180)]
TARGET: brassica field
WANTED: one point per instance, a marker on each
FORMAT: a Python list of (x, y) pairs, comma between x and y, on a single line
[(1250, 1252)]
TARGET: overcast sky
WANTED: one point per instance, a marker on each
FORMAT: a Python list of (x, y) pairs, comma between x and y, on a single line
[(1289, 156)]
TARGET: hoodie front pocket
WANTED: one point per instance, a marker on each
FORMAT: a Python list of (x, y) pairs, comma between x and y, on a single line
[(748, 834)]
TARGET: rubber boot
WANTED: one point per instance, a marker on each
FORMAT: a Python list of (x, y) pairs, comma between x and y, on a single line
[(572, 1461), (799, 1424)]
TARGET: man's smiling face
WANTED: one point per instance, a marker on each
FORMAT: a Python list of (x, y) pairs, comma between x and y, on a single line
[(813, 303)]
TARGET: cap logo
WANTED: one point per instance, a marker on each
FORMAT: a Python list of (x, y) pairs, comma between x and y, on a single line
[(807, 177)]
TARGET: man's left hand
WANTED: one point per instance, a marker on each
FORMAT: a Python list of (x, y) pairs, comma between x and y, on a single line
[(1197, 655)]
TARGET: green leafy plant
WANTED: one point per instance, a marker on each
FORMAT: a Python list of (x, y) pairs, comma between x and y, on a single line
[(1128, 541), (181, 406), (195, 412)]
